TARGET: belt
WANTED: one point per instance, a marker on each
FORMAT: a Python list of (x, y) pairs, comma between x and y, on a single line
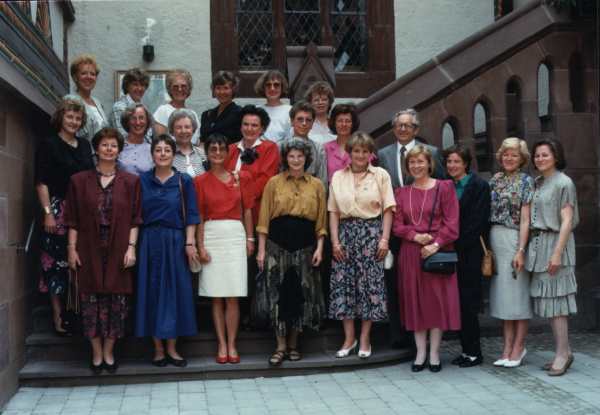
[(537, 232)]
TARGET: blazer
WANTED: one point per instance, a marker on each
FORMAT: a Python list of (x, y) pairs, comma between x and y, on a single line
[(474, 213), (388, 159)]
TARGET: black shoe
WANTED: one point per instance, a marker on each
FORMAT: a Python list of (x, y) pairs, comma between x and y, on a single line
[(435, 368), (111, 368), (176, 362), (96, 369), (470, 362), (458, 360), (160, 362), (417, 368)]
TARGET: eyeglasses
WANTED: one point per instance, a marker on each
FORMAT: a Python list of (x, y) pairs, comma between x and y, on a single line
[(181, 87), (275, 85), (405, 126), (303, 120)]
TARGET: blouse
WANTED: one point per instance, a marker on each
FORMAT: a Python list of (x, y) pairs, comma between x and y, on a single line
[(96, 118), (192, 164), (302, 197), (551, 195), (366, 199), (162, 114), (321, 133), (509, 194), (136, 158), (56, 161), (279, 126), (337, 160), (218, 200), (228, 123)]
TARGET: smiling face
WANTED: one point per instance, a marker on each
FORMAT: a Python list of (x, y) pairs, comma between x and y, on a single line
[(320, 103), (71, 122), (456, 166), (511, 160), (224, 93), (296, 160), (162, 155), (544, 159), (86, 77), (179, 89), (217, 153), (108, 149), (418, 166), (359, 158), (183, 130), (302, 123), (251, 128), (138, 122), (404, 129), (136, 90), (343, 124)]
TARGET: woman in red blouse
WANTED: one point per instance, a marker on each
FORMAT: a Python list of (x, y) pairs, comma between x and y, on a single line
[(225, 240)]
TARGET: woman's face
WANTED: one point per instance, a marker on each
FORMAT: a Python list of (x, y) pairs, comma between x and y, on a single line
[(71, 122), (251, 127), (224, 93), (108, 149), (511, 160), (320, 103), (296, 160), (138, 122), (162, 155), (359, 157), (302, 123), (456, 166), (273, 89), (217, 153), (418, 166), (180, 89), (343, 124), (544, 159), (183, 130), (136, 90), (86, 77)]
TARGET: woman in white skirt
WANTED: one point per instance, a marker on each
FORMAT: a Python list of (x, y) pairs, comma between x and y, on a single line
[(225, 240), (551, 253), (511, 192)]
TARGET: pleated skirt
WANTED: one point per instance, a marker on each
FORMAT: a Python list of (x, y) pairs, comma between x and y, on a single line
[(554, 295)]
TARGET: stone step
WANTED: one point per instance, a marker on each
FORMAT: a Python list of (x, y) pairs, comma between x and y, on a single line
[(44, 373)]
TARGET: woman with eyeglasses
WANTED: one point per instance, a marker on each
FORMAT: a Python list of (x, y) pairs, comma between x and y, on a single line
[(320, 96), (273, 86)]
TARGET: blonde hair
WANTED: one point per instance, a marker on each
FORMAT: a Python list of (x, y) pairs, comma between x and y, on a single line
[(360, 139), (514, 143), (416, 151), (172, 77), (86, 58)]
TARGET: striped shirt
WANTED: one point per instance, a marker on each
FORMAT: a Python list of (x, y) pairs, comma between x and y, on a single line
[(190, 163)]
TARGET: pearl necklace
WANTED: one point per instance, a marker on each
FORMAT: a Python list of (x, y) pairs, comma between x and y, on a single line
[(412, 219), (111, 174)]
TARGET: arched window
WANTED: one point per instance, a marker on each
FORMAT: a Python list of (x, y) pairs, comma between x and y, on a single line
[(483, 147), (576, 83), (449, 134), (543, 97), (514, 117)]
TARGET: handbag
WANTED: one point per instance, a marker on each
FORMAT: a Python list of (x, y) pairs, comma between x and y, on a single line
[(260, 307), (442, 262), (71, 315), (388, 261), (488, 263), (195, 265)]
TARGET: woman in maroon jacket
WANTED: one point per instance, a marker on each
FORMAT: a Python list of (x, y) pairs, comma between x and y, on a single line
[(103, 213)]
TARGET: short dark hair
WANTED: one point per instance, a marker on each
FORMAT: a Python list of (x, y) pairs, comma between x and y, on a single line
[(340, 109), (296, 144), (302, 106), (557, 151), (215, 138), (272, 75), (108, 132), (163, 138), (128, 113), (251, 109), (223, 78), (463, 152), (134, 75), (67, 104)]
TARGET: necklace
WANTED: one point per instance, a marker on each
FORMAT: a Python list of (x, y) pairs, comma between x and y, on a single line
[(111, 174), (412, 219)]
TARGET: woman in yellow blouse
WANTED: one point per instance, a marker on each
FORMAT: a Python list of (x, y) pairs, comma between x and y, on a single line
[(293, 203), (361, 205)]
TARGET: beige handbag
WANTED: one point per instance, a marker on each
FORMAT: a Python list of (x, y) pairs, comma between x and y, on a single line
[(488, 268)]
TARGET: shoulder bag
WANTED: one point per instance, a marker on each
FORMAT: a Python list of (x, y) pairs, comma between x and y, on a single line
[(488, 265), (195, 266)]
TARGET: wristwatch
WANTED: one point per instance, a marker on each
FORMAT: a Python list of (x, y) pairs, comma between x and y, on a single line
[(46, 210)]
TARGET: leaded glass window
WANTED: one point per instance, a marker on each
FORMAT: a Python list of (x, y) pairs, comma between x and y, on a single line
[(349, 27), (302, 22), (254, 24)]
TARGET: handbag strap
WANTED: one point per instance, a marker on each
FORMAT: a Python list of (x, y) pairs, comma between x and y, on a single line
[(182, 198), (485, 251), (238, 181), (73, 297), (437, 189)]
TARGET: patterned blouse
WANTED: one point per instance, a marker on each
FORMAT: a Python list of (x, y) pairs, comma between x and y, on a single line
[(509, 194)]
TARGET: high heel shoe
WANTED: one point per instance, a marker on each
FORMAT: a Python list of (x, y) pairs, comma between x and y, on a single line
[(500, 362), (562, 370), (365, 354), (516, 363), (346, 352)]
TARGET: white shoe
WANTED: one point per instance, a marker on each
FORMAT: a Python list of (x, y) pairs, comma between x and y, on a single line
[(364, 354), (500, 362), (346, 352), (516, 363)]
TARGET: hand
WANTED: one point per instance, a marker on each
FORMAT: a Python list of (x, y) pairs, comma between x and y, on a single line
[(50, 223), (429, 250), (338, 252), (518, 262), (382, 249), (260, 259), (249, 248), (423, 238), (554, 264), (73, 258), (317, 257), (129, 259), (203, 255), (192, 253)]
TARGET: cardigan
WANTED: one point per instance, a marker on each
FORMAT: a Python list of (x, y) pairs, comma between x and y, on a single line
[(474, 208)]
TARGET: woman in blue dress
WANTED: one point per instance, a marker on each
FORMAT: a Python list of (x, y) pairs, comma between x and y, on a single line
[(165, 303)]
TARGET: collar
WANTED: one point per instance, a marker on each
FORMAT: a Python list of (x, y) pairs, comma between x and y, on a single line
[(177, 151), (463, 182), (370, 168), (258, 142), (288, 176), (408, 146)]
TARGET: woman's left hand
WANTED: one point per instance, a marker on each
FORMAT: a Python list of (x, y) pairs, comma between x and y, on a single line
[(192, 253), (249, 248), (382, 249), (429, 250), (317, 258), (130, 258), (554, 264)]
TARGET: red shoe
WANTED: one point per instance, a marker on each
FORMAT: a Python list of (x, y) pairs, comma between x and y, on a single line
[(233, 359), (222, 359)]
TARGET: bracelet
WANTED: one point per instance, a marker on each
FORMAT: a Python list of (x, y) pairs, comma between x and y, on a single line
[(132, 244), (47, 210), (190, 244), (250, 239), (521, 249), (384, 240), (71, 245)]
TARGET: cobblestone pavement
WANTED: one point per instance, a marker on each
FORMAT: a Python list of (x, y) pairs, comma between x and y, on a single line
[(384, 390)]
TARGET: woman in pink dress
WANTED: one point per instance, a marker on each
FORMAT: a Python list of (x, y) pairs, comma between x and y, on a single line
[(429, 302)]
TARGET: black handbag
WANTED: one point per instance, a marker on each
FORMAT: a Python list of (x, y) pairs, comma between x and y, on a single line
[(442, 262), (71, 315)]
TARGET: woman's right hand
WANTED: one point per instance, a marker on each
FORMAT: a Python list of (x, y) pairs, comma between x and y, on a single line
[(518, 261), (73, 258), (260, 259), (203, 254), (338, 252), (423, 238), (49, 223)]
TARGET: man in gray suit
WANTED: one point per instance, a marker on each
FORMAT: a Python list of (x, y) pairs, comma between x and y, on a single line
[(391, 158)]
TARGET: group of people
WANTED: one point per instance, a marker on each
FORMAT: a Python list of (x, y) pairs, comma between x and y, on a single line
[(276, 200)]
